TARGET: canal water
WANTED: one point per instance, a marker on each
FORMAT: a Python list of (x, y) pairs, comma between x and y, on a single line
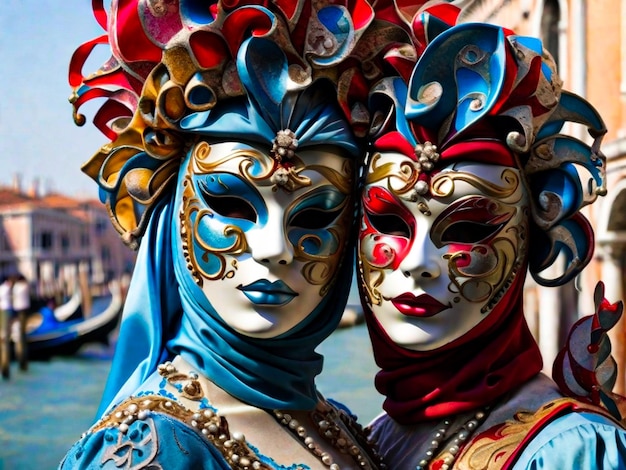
[(45, 410)]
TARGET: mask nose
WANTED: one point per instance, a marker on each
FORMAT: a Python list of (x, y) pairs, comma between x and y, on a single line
[(423, 260), (269, 244)]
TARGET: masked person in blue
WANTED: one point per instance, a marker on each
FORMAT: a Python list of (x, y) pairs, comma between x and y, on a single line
[(236, 133)]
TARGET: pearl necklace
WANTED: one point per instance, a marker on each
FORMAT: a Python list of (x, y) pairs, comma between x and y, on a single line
[(326, 417), (235, 448), (454, 440)]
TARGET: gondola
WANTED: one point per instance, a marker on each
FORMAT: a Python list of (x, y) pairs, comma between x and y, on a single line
[(50, 334)]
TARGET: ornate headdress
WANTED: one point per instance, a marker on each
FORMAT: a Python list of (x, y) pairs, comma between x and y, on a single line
[(176, 64), (480, 92)]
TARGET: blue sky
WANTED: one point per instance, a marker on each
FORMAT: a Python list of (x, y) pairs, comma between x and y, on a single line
[(38, 138)]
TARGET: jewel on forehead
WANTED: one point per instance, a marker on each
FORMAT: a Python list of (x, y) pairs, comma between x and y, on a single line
[(426, 155), (285, 145)]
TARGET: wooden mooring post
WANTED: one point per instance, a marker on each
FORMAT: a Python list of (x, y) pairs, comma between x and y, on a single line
[(5, 343)]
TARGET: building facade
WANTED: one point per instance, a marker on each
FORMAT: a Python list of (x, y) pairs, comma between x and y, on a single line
[(51, 239)]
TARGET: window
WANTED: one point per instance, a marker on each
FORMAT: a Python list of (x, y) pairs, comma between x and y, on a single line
[(65, 242), (4, 242), (550, 27), (46, 240), (101, 226)]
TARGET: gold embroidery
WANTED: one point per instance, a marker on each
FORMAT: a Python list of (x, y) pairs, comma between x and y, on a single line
[(233, 447), (493, 448)]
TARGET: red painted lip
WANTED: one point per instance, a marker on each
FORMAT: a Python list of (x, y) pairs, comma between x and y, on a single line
[(422, 306)]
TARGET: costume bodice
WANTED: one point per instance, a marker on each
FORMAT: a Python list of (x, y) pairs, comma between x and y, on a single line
[(517, 433), (178, 412)]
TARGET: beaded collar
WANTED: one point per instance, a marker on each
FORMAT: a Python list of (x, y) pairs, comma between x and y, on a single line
[(333, 425)]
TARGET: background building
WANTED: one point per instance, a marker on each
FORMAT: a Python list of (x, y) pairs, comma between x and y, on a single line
[(588, 40), (51, 238)]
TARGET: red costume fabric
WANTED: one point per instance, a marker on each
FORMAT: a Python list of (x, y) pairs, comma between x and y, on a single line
[(494, 358)]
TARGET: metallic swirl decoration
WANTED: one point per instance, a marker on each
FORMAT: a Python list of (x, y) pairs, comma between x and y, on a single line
[(482, 272), (584, 368)]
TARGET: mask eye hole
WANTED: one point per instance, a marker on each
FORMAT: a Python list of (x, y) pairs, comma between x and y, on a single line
[(229, 206), (226, 204), (315, 219), (390, 224), (469, 232)]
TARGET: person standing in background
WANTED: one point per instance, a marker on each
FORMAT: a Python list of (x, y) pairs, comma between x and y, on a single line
[(21, 307)]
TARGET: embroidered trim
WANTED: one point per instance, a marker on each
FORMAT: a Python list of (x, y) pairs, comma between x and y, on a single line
[(350, 439), (501, 445), (213, 427)]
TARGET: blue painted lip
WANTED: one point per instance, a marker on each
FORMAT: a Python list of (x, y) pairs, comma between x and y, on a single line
[(264, 292)]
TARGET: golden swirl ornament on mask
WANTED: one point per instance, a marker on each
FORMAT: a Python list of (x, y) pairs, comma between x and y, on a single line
[(179, 60)]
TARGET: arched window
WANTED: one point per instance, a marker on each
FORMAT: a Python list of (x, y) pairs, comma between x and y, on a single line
[(550, 27)]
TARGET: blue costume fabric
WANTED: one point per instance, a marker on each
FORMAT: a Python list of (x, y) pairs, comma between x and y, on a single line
[(576, 441), (94, 451)]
